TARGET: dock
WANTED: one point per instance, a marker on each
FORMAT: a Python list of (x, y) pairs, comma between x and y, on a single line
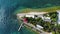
[(20, 26)]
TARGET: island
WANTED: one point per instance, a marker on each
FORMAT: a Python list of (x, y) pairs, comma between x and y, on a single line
[(43, 20)]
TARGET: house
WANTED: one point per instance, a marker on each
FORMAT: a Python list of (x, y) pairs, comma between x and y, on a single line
[(39, 27), (48, 19), (25, 20), (29, 15)]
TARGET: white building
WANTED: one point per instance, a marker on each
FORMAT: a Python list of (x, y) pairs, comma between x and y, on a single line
[(58, 11), (39, 27), (47, 19), (29, 16)]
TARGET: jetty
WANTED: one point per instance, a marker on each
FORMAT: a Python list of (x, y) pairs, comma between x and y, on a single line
[(20, 27)]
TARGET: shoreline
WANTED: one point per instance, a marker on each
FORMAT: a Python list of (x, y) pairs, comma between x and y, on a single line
[(33, 30)]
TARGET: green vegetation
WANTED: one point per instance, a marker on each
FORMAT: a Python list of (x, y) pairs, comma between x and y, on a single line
[(48, 26), (52, 15), (48, 9), (55, 29)]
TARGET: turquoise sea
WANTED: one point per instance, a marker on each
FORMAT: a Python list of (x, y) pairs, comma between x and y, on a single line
[(8, 21)]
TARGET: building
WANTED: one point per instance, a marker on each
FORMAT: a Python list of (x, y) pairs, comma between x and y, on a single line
[(48, 19), (29, 15), (39, 27), (58, 11)]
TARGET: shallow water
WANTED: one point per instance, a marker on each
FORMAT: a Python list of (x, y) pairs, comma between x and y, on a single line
[(8, 23)]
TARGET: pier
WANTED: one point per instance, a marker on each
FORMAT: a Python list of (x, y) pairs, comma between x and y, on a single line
[(20, 26)]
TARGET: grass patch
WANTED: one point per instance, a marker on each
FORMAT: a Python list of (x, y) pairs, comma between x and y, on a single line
[(48, 9)]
